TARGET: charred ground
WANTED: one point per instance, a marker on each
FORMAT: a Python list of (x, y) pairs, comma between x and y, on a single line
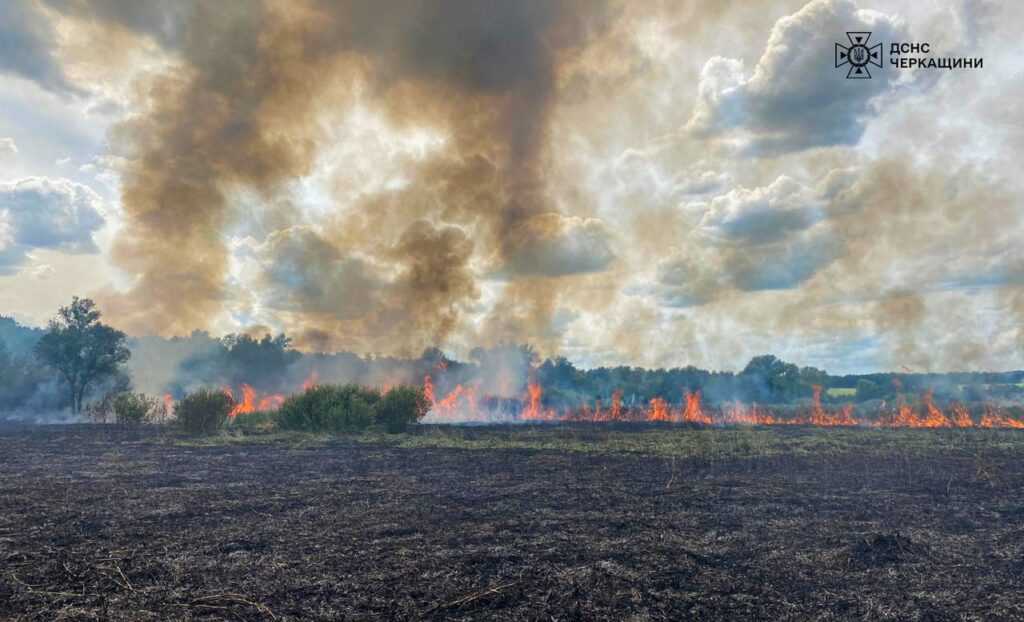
[(566, 522)]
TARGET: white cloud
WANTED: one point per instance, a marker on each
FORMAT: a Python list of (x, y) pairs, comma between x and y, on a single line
[(772, 237), (785, 264), (8, 147), (762, 215), (42, 212), (42, 271), (795, 98)]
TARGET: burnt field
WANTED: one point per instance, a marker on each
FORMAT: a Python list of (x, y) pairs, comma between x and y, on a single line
[(568, 522)]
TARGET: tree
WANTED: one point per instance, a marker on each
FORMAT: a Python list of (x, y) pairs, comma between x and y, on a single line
[(237, 359), (260, 362), (401, 406), (81, 348), (772, 378), (867, 390)]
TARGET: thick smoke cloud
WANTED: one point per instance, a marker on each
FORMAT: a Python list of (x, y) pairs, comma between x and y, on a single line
[(165, 22), (554, 245), (304, 272), (244, 111), (620, 182)]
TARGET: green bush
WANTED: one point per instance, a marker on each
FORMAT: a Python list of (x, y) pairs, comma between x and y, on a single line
[(401, 406), (256, 420), (134, 408), (204, 411), (327, 408)]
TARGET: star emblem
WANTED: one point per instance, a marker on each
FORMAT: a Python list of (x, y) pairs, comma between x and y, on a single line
[(858, 55)]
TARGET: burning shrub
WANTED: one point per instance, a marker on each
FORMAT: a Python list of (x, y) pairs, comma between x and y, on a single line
[(401, 406), (134, 408), (204, 411), (327, 408)]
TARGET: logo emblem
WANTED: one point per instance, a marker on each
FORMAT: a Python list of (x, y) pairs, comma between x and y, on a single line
[(858, 55)]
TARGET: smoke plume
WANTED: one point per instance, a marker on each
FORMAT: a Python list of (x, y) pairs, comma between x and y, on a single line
[(244, 110)]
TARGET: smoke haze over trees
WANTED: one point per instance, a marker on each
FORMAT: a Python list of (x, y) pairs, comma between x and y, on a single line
[(177, 366)]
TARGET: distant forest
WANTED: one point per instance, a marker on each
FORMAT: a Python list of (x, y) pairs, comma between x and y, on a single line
[(271, 365)]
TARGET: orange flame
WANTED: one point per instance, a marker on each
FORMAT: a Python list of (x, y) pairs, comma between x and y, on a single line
[(933, 416), (659, 410), (820, 416), (616, 413), (249, 402), (532, 411), (693, 412), (993, 418), (461, 405), (961, 418), (740, 414), (428, 389)]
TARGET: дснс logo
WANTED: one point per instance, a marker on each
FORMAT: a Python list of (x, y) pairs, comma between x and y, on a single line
[(858, 56)]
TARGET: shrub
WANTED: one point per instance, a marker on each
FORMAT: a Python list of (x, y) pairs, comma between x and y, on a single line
[(134, 408), (256, 420), (204, 411), (401, 406), (327, 408)]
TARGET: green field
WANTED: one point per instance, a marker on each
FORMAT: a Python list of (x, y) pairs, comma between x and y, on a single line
[(841, 392)]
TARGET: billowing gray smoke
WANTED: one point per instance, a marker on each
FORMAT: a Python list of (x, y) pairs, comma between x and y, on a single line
[(244, 111)]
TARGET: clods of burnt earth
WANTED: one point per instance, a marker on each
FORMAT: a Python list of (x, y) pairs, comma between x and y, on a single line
[(97, 523)]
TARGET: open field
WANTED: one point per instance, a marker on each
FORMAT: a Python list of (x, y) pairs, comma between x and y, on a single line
[(841, 392), (528, 522)]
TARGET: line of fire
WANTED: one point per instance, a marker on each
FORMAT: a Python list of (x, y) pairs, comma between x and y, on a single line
[(467, 405)]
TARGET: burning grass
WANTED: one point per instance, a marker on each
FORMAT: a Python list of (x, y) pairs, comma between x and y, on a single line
[(354, 408), (578, 521), (463, 405)]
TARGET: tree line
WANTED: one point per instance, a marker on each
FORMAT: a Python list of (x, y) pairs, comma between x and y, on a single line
[(79, 362)]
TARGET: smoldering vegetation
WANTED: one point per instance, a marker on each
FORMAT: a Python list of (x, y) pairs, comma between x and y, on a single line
[(509, 383), (29, 390), (501, 376), (502, 382)]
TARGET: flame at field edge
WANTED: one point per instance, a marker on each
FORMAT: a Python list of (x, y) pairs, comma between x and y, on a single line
[(462, 405)]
